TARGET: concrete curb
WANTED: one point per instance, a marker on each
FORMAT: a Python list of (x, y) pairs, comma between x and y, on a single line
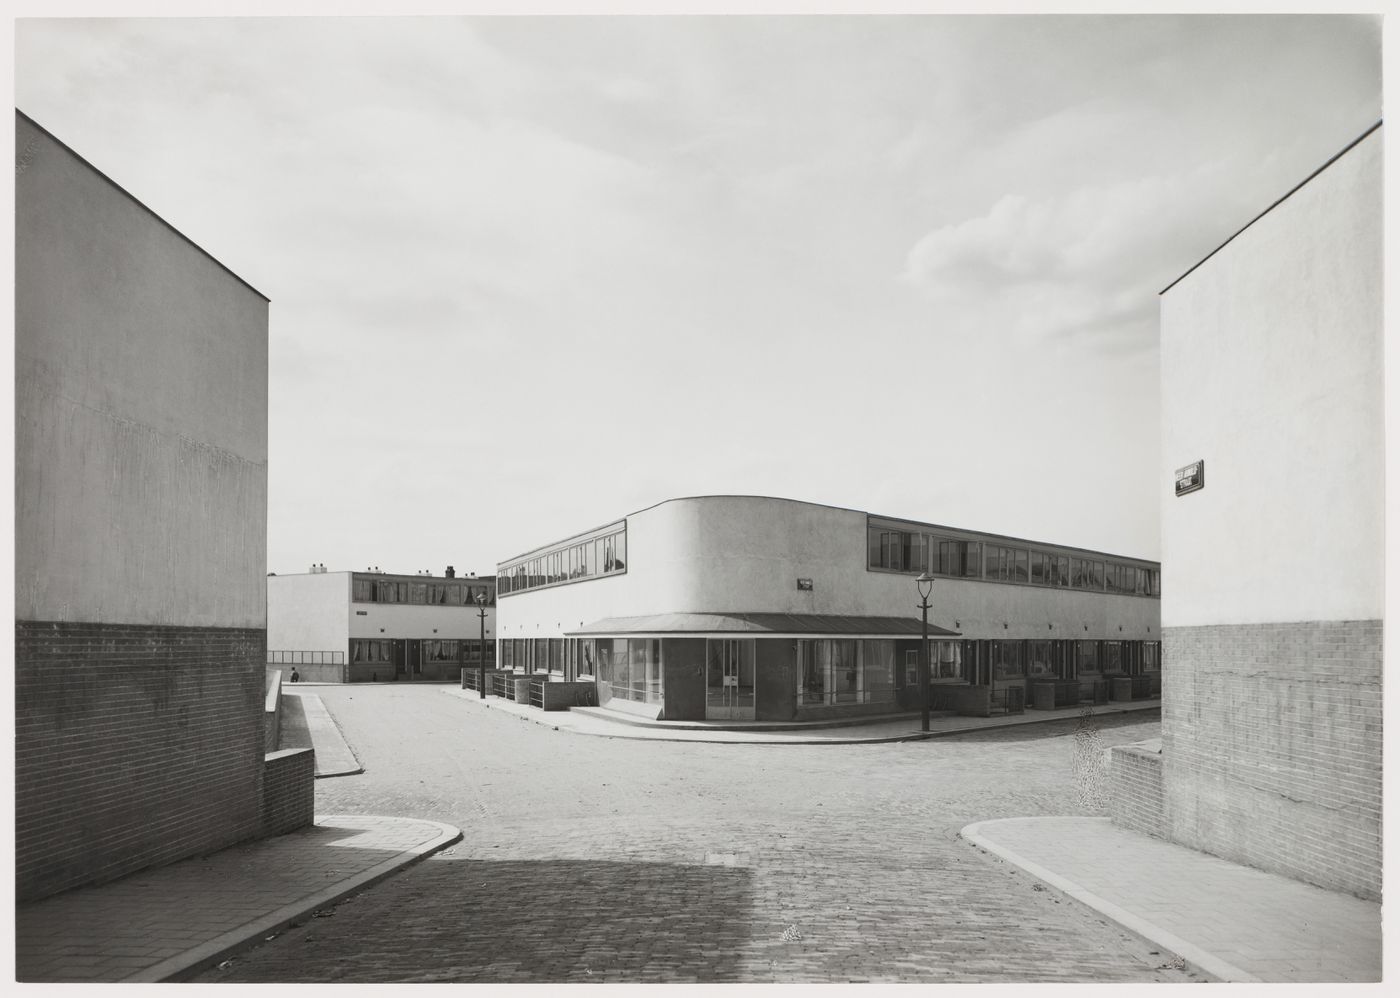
[(324, 731), (657, 733), (629, 726), (1190, 954), (216, 950)]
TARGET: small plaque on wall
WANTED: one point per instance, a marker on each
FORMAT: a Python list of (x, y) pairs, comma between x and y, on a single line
[(804, 584), (1191, 478)]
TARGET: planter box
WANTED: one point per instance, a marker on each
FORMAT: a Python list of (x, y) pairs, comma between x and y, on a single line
[(1052, 695), (470, 673), (562, 696)]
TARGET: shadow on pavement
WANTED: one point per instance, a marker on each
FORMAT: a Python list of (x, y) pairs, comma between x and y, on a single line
[(1053, 729), (512, 921), (294, 732)]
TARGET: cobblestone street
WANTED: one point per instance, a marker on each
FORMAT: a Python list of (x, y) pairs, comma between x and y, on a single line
[(609, 860)]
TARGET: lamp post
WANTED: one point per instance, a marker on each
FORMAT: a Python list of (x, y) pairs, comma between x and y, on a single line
[(925, 583), (481, 664)]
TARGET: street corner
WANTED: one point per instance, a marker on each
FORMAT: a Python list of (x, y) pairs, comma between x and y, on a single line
[(409, 839)]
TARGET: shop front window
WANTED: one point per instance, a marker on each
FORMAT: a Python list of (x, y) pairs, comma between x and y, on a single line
[(878, 660)]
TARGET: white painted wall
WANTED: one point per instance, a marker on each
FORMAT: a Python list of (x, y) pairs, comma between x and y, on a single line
[(308, 612), (313, 612), (745, 554), (409, 620), (140, 410), (1271, 373)]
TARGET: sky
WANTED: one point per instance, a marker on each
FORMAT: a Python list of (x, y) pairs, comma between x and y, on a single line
[(530, 274)]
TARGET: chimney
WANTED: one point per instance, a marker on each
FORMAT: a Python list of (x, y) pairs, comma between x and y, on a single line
[(450, 573)]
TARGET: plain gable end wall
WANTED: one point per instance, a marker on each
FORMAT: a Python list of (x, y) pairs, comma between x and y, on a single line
[(1272, 575), (141, 411), (308, 612), (140, 533), (1271, 373)]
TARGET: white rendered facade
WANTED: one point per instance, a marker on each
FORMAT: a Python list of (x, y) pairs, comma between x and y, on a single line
[(737, 558), (1272, 351), (378, 627)]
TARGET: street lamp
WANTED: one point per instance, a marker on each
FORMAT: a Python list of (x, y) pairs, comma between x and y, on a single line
[(925, 582), (481, 665)]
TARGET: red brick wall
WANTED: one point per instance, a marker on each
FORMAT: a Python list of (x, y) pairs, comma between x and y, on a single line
[(288, 790), (1271, 737), (1135, 797), (135, 746)]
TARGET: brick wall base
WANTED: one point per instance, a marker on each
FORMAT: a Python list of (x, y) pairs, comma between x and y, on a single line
[(1271, 739), (288, 791), (1135, 789), (135, 746)]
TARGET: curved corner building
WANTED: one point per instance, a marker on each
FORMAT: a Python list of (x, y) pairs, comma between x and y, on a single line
[(765, 609)]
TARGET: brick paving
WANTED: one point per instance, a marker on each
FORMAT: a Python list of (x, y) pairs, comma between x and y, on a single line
[(160, 923), (612, 860)]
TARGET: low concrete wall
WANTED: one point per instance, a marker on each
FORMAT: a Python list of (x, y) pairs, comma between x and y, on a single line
[(272, 711), (562, 696), (289, 790), (315, 672), (1135, 789)]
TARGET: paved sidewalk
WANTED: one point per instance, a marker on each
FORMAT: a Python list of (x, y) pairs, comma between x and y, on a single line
[(307, 724), (1232, 922), (897, 728), (173, 921)]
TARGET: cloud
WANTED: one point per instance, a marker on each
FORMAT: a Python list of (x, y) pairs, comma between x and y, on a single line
[(1082, 264)]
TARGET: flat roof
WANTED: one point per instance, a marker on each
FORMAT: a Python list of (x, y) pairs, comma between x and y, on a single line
[(769, 625), (1350, 145)]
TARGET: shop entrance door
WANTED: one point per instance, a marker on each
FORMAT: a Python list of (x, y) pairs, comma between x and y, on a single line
[(729, 686)]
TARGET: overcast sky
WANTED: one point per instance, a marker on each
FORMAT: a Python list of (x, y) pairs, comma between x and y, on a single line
[(531, 274)]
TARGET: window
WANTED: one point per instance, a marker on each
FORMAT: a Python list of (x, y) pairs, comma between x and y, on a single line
[(955, 558), (1087, 574), (575, 562), (1007, 660), (878, 663), (442, 651), (1151, 656), (1039, 664), (1086, 658), (1112, 659), (828, 671), (1008, 564), (371, 650), (945, 660)]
